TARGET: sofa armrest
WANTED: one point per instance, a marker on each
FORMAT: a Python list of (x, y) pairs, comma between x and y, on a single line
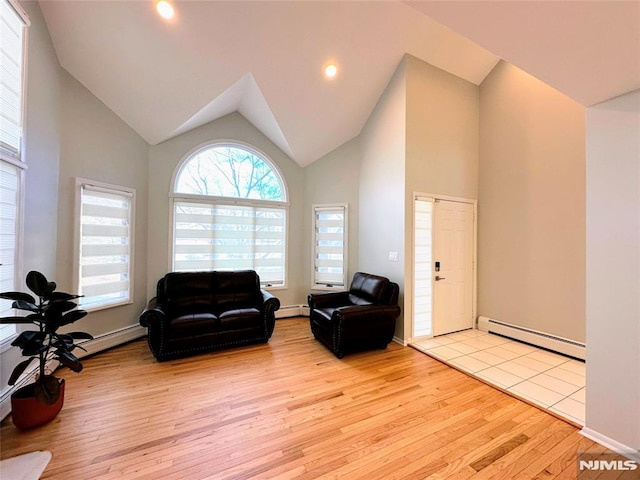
[(271, 303), (328, 299), (363, 314), (152, 314)]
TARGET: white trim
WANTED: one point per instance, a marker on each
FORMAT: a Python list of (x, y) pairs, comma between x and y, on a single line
[(289, 311), (565, 346), (20, 11), (611, 444), (345, 246), (111, 189), (408, 316), (98, 344), (227, 143)]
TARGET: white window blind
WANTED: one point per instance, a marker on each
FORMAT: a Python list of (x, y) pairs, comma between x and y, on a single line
[(423, 261), (329, 243), (9, 230), (106, 246), (220, 236), (12, 34)]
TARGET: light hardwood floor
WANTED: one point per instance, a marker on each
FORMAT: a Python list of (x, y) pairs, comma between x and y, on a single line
[(291, 409)]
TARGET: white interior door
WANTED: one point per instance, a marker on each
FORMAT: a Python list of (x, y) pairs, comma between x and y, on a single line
[(453, 247)]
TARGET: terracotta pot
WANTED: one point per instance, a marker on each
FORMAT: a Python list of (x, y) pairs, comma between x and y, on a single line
[(27, 412)]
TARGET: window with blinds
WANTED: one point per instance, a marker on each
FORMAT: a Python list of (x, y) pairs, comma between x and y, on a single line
[(13, 23), (9, 232), (330, 246), (217, 236), (423, 274), (12, 36), (230, 213), (105, 253)]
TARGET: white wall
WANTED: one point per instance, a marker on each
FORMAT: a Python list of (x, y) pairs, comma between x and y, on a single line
[(42, 147), (42, 156), (442, 132), (97, 145), (531, 205), (613, 270), (442, 148), (382, 185), (164, 159)]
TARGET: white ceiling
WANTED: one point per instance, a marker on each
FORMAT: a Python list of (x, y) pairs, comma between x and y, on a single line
[(588, 50), (264, 58)]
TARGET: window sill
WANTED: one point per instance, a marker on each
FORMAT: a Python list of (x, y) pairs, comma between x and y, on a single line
[(97, 308)]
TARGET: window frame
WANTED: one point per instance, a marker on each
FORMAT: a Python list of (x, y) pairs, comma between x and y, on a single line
[(175, 197), (113, 190), (17, 160), (315, 285)]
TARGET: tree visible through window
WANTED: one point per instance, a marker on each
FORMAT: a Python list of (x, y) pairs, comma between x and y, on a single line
[(229, 213), (229, 171)]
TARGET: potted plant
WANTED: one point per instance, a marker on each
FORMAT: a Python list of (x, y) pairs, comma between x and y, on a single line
[(40, 402)]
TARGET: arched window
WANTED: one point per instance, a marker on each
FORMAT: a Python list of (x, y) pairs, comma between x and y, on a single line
[(230, 213)]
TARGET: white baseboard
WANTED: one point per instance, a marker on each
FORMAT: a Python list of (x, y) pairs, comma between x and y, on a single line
[(289, 311), (399, 340), (99, 343), (111, 339), (611, 444)]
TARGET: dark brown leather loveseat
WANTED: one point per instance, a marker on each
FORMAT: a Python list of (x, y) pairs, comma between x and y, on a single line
[(195, 312), (361, 319)]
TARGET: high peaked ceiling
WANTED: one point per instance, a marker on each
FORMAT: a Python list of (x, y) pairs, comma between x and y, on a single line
[(264, 59)]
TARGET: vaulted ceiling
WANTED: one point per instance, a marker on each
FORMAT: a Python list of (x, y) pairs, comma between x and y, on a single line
[(264, 59)]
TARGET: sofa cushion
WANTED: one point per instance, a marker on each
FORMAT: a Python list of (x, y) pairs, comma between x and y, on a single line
[(237, 290), (366, 287), (240, 318), (194, 324), (187, 292)]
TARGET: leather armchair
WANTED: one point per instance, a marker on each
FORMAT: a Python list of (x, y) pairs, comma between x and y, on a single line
[(363, 318)]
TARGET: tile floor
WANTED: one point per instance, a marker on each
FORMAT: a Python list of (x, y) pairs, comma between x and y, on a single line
[(549, 380)]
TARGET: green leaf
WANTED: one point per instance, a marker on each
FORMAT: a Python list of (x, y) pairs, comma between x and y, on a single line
[(73, 316), (25, 297), (81, 335), (31, 343), (51, 287), (69, 360), (58, 296), (37, 283), (19, 370), (22, 305), (65, 338), (15, 320), (57, 308)]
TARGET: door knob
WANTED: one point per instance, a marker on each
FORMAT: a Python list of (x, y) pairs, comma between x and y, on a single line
[(438, 278)]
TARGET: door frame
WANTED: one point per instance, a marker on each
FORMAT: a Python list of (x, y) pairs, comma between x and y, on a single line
[(408, 303)]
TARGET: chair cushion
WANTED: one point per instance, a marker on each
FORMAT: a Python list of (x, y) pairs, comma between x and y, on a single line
[(194, 324), (240, 318), (366, 287)]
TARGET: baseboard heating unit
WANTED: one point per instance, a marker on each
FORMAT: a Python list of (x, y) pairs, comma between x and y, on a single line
[(533, 337)]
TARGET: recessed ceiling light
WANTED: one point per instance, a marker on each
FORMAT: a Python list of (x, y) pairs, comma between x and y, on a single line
[(330, 70), (165, 9)]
